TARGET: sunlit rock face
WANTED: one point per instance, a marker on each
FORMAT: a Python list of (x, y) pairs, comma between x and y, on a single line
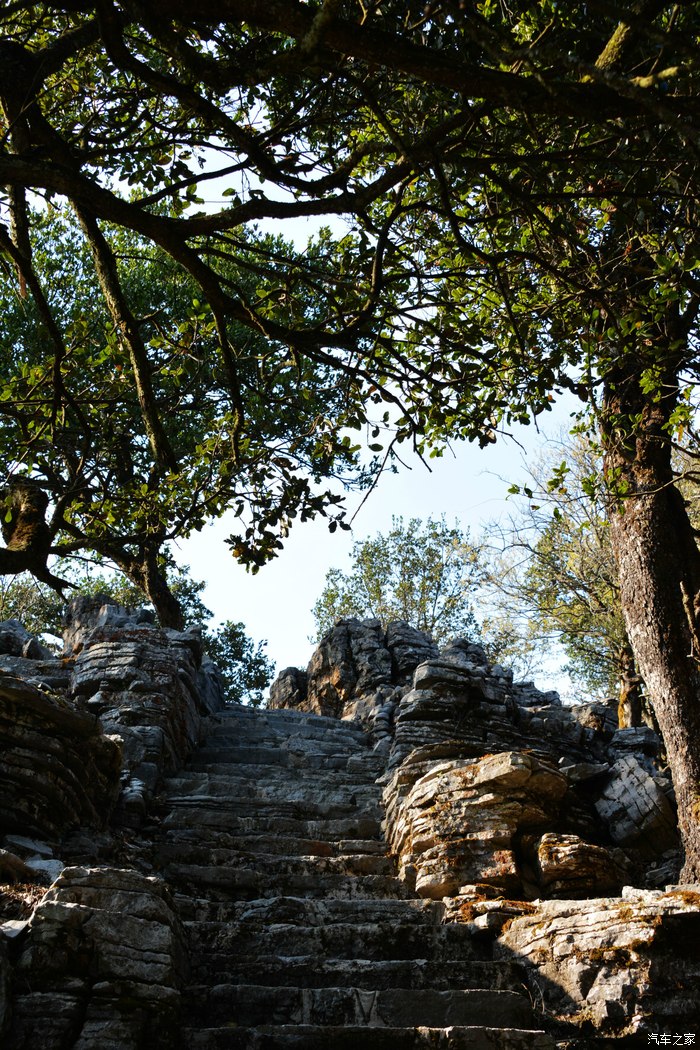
[(356, 669), (614, 966)]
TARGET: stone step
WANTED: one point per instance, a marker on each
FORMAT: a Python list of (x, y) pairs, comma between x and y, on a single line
[(288, 845), (281, 763), (213, 944), (310, 971), (230, 785), (271, 809), (287, 718), (271, 751), (306, 911), (247, 883), (341, 738), (389, 1007), (274, 866), (188, 814), (312, 1037), (276, 776)]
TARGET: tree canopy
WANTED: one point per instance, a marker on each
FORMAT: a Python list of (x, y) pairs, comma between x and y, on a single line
[(421, 572), (519, 191)]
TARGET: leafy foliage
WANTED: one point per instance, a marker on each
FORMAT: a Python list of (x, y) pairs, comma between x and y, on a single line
[(244, 666), (421, 572), (519, 190), (501, 237), (553, 574)]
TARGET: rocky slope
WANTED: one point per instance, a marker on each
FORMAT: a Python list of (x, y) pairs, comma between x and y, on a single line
[(407, 849)]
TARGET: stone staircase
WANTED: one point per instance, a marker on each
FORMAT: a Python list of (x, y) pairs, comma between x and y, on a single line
[(301, 936)]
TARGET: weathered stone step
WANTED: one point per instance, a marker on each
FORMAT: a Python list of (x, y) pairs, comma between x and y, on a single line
[(310, 971), (275, 777), (281, 762), (310, 1037), (340, 738), (286, 717), (213, 943), (228, 784), (305, 911), (272, 809), (287, 845), (275, 866), (389, 1007), (247, 883), (188, 814)]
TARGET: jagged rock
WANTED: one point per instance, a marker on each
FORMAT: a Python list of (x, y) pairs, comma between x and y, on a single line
[(103, 965), (408, 647), (601, 717), (350, 661), (569, 867), (52, 675), (16, 641), (640, 740), (355, 669), (636, 809), (289, 689), (148, 687), (83, 615), (622, 965), (458, 823), (209, 686), (57, 767)]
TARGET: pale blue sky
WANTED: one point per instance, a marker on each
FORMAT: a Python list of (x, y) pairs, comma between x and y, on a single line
[(469, 486)]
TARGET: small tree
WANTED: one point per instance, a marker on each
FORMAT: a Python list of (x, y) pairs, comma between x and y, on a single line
[(243, 665), (422, 572), (554, 576)]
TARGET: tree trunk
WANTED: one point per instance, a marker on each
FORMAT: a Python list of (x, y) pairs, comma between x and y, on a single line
[(146, 573), (629, 707), (659, 566), (164, 602)]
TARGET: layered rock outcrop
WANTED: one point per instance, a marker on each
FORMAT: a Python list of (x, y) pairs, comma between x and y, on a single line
[(103, 966), (176, 875), (527, 818), (100, 958)]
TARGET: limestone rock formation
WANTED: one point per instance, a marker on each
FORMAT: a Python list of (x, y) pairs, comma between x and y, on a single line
[(148, 686), (408, 850), (355, 669), (616, 965), (58, 769), (103, 965), (459, 822)]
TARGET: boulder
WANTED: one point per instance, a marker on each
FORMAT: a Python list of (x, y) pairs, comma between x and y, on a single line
[(16, 641), (104, 963), (569, 867), (621, 965), (289, 689), (350, 661), (636, 810), (459, 823)]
